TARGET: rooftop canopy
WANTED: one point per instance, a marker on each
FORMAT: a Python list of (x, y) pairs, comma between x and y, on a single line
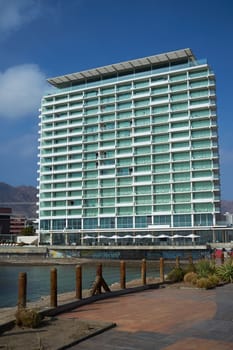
[(160, 60)]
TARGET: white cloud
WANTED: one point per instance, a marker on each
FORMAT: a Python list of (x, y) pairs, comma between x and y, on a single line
[(21, 90), (19, 156), (15, 13)]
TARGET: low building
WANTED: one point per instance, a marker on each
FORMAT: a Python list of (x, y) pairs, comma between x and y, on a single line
[(5, 219), (17, 224)]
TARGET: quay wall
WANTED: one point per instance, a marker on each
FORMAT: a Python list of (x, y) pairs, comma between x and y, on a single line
[(106, 252)]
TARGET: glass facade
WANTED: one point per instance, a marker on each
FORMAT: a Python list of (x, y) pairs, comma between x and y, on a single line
[(134, 149)]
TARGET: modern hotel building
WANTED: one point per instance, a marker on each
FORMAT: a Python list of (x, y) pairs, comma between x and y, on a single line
[(129, 151)]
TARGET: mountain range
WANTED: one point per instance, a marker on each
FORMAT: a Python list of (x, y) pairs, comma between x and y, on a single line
[(23, 199)]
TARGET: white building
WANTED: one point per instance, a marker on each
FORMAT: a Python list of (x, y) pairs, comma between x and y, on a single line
[(130, 149)]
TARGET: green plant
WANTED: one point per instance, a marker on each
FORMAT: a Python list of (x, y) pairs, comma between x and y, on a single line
[(28, 318), (205, 268), (225, 271), (176, 274), (190, 277)]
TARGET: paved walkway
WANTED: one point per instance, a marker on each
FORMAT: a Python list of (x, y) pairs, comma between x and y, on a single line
[(166, 318)]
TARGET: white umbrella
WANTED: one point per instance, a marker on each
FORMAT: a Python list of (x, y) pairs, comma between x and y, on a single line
[(148, 236), (177, 236), (127, 236), (88, 237), (101, 236), (114, 237), (163, 236), (192, 235)]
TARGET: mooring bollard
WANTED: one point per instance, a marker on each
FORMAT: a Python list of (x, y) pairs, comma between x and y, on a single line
[(99, 282), (22, 290), (78, 282), (177, 261), (143, 272), (161, 269), (122, 275), (53, 287)]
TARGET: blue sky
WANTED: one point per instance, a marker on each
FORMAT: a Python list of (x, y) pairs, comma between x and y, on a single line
[(46, 38)]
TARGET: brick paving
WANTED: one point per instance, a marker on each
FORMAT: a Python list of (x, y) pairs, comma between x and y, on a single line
[(166, 318)]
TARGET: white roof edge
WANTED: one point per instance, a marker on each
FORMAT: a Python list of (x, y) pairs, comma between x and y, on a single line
[(171, 56)]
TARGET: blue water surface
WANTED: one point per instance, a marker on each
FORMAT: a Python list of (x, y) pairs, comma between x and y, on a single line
[(38, 279)]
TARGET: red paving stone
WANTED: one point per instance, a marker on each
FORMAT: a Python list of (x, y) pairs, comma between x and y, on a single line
[(176, 318), (152, 311)]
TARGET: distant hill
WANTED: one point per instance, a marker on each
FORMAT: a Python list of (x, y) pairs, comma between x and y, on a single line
[(21, 199), (226, 206)]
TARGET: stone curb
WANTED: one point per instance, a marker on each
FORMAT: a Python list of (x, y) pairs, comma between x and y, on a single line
[(102, 330)]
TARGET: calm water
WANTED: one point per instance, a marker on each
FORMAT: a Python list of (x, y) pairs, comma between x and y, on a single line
[(38, 279)]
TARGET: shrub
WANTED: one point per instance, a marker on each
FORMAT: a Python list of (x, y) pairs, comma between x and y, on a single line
[(176, 274), (225, 271), (190, 277), (205, 282), (204, 268), (27, 318), (214, 279)]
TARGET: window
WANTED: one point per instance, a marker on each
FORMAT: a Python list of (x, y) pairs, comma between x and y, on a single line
[(90, 223), (162, 220), (107, 222), (181, 220), (74, 224), (59, 224), (203, 220), (142, 221)]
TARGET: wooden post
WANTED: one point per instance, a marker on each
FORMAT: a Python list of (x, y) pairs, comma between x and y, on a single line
[(78, 274), (190, 260), (99, 270), (161, 269), (22, 290), (222, 258), (177, 261), (143, 272), (122, 274), (99, 274), (53, 287)]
